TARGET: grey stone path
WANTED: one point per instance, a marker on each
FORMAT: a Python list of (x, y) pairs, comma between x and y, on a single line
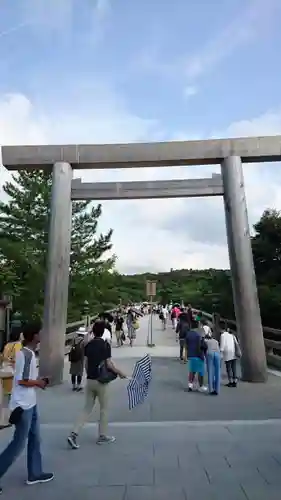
[(206, 462), (165, 341), (167, 400), (175, 446)]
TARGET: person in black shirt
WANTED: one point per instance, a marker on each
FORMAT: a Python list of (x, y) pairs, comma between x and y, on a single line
[(97, 351), (182, 331), (119, 331), (183, 316), (190, 315)]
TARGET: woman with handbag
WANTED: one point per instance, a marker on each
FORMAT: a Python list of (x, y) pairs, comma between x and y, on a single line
[(100, 372)]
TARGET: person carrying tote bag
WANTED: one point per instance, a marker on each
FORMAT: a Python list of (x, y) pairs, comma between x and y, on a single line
[(100, 372)]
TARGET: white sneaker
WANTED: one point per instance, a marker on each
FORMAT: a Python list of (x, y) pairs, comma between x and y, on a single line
[(106, 439), (190, 386), (203, 388)]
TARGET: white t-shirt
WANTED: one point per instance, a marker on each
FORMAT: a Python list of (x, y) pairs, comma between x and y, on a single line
[(207, 330), (106, 336), (227, 346), (165, 313), (25, 369)]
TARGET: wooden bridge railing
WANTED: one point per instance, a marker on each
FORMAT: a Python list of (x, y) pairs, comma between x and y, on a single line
[(71, 329), (272, 338)]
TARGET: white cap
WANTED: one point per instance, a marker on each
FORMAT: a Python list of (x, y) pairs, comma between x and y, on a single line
[(82, 330)]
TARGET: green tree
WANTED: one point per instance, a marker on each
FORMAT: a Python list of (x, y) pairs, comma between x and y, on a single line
[(266, 245), (24, 222)]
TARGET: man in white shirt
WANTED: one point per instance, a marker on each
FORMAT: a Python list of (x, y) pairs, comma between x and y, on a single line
[(227, 348), (90, 336), (24, 410), (107, 336)]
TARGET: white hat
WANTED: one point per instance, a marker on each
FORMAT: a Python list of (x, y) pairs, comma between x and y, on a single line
[(82, 330)]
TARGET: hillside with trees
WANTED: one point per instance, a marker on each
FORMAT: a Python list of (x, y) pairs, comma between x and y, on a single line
[(210, 289), (24, 220)]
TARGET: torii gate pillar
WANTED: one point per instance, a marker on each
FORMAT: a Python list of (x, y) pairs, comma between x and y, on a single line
[(247, 310), (52, 341)]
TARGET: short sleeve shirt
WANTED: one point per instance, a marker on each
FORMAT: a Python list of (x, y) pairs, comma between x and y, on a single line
[(96, 351), (25, 369), (193, 344), (106, 336)]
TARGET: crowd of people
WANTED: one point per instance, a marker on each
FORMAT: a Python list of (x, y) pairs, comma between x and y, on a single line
[(123, 324), (90, 353), (199, 347)]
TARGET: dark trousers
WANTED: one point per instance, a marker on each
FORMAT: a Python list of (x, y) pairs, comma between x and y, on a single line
[(182, 346), (74, 377), (231, 369)]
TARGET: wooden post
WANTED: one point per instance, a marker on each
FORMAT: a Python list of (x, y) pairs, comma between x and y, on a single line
[(150, 292)]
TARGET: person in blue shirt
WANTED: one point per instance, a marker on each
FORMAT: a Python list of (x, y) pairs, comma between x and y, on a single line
[(196, 348)]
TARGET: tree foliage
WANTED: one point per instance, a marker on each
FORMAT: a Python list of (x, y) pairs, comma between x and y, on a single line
[(208, 289), (266, 245), (24, 223)]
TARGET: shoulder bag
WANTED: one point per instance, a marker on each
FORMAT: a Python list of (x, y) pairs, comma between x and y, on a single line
[(237, 349), (105, 374)]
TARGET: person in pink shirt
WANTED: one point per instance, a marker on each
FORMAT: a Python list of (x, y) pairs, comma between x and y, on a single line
[(174, 316)]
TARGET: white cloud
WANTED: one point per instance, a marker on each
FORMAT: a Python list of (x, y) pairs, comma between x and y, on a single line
[(18, 125), (154, 234), (268, 123)]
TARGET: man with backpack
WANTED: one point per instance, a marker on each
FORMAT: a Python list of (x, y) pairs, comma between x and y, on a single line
[(76, 358)]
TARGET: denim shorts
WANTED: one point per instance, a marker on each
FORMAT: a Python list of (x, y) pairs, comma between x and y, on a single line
[(196, 365)]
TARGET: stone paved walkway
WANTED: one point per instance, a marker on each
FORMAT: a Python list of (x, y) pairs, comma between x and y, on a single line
[(179, 462)]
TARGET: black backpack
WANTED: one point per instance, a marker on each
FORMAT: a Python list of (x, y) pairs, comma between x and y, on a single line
[(75, 354)]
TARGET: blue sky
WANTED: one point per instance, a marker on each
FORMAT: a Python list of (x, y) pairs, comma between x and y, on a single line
[(122, 71)]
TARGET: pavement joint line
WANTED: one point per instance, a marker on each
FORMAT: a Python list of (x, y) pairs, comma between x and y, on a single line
[(172, 423), (274, 372)]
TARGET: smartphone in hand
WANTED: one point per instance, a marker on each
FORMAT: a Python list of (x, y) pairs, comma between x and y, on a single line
[(46, 380)]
